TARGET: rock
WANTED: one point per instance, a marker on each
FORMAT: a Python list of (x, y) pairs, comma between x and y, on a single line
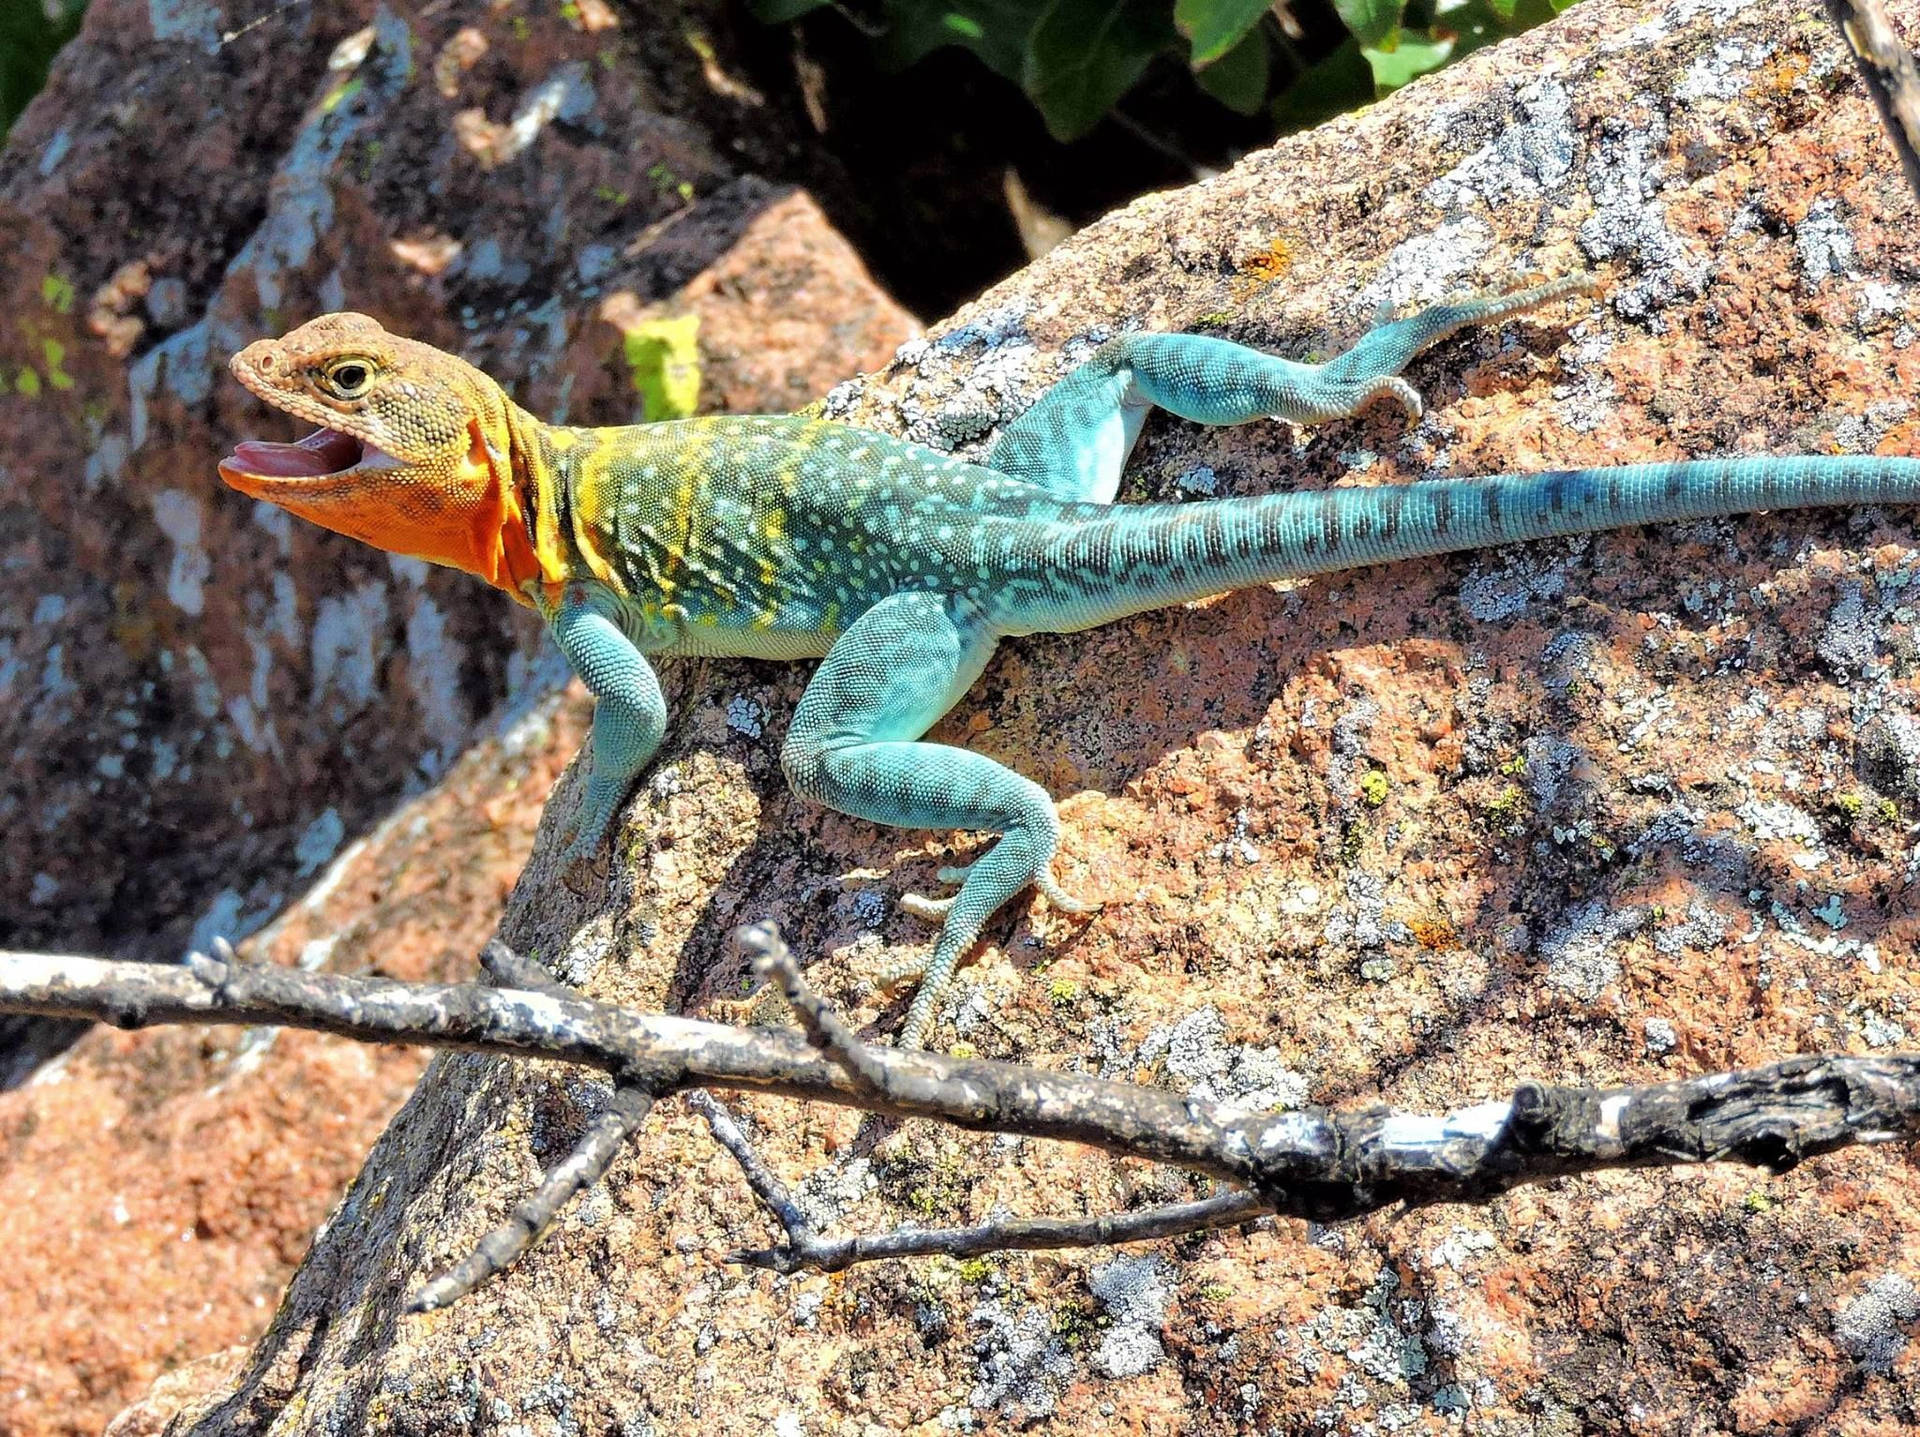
[(156, 1188), (176, 661), (1359, 820)]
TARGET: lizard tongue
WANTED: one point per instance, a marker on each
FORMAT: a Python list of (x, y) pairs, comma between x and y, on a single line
[(324, 452)]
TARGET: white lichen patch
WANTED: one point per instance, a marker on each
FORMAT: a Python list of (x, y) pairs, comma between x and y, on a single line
[(1723, 72), (1625, 173), (1823, 244), (179, 516), (1660, 1035), (1502, 584), (829, 1193), (222, 919), (433, 674), (277, 522), (1200, 480), (1581, 954), (1134, 1292), (320, 840), (971, 381), (1461, 1247), (1872, 1326), (251, 713), (1024, 1365), (1532, 156), (1243, 1077), (349, 643), (1773, 820), (1426, 268)]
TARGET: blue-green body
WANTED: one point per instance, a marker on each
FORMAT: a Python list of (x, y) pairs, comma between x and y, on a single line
[(793, 537)]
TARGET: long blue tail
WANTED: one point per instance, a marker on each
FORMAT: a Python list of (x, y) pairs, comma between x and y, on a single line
[(1104, 563)]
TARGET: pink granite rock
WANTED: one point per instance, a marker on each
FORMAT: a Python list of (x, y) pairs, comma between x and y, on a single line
[(1603, 810)]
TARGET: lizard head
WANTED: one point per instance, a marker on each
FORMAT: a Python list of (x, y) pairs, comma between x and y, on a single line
[(411, 454)]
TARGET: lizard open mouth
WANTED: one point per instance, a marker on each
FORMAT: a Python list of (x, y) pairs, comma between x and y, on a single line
[(324, 454)]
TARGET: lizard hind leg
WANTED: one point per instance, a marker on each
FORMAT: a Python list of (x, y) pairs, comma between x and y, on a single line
[(1371, 368), (853, 746), (1075, 440)]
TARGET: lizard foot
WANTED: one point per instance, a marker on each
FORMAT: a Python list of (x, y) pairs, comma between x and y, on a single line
[(934, 910)]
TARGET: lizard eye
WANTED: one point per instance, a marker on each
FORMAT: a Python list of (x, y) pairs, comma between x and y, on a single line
[(349, 378)]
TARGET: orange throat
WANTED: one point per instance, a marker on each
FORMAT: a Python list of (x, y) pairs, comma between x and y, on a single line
[(467, 513)]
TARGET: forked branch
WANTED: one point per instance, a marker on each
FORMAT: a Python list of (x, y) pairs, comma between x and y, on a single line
[(1314, 1163)]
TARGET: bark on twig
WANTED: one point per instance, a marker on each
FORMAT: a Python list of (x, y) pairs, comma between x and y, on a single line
[(806, 1250), (1313, 1163), (1886, 65)]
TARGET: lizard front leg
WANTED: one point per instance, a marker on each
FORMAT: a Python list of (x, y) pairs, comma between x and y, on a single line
[(852, 746), (628, 720)]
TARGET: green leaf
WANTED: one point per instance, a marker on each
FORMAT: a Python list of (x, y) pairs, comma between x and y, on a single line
[(994, 30), (31, 33), (1339, 83), (1238, 79), (1214, 27), (1083, 55), (778, 12), (1371, 21), (1414, 56), (663, 360), (1504, 9)]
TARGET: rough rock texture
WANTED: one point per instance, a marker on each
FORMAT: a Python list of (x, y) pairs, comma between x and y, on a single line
[(531, 189), (157, 1188), (1609, 809)]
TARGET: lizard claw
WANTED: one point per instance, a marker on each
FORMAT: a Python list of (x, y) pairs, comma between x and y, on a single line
[(934, 910), (1059, 897), (1402, 393)]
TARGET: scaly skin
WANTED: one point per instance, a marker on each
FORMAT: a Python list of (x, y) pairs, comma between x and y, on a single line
[(799, 538)]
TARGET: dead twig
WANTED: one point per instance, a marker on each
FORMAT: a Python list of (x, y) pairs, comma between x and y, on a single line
[(1886, 66), (1313, 1163)]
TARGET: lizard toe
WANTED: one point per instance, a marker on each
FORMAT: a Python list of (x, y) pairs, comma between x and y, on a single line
[(1059, 897), (905, 971), (933, 910), (1402, 393)]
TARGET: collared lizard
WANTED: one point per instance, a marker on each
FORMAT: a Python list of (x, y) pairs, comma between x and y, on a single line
[(901, 567)]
